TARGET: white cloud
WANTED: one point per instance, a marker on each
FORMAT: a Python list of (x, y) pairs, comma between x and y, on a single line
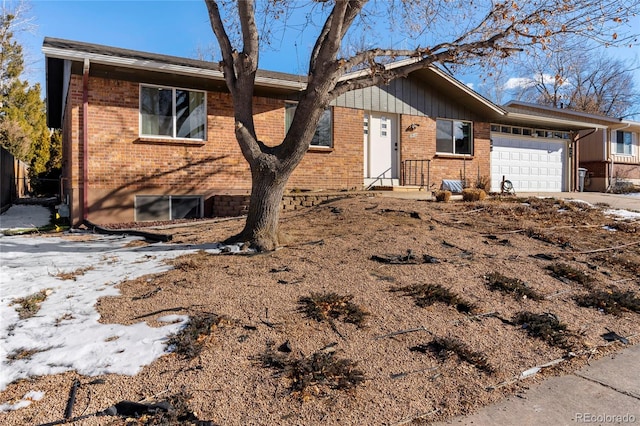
[(518, 83)]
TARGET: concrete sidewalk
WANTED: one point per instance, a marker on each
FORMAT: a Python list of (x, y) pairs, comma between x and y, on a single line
[(615, 201), (607, 392)]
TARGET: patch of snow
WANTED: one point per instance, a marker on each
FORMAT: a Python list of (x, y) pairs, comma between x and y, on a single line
[(22, 216), (586, 203), (622, 214), (65, 333), (26, 400)]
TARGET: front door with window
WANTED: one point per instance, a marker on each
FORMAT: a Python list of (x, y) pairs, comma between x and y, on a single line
[(380, 149)]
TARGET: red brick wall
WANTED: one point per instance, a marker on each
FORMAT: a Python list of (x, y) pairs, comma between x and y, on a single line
[(122, 165), (418, 143), (341, 167)]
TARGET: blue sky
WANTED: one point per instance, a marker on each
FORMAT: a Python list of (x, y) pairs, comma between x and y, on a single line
[(170, 27)]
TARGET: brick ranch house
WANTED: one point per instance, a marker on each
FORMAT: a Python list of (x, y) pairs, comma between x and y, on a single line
[(150, 137)]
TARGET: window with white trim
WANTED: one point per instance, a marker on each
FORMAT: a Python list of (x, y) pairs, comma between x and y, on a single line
[(624, 142), (454, 137), (168, 112), (323, 136)]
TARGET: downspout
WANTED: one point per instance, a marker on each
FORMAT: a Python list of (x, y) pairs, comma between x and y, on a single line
[(85, 140), (576, 159)]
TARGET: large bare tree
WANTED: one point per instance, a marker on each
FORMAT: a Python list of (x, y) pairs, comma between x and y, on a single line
[(430, 32), (579, 77)]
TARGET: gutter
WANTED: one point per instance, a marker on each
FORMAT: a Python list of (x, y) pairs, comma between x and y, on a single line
[(85, 139), (147, 64), (560, 121)]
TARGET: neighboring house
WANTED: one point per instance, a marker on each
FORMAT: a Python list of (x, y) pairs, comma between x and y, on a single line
[(612, 156), (151, 137), (608, 152)]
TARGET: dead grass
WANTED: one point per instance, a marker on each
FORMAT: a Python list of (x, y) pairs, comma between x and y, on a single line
[(314, 375), (190, 341), (427, 294), (548, 328), (30, 305), (441, 347), (332, 306), (74, 274), (513, 286), (610, 301), (547, 237), (23, 354), (568, 272), (190, 263)]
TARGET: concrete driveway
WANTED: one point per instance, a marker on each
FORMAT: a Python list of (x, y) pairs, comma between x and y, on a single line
[(615, 201)]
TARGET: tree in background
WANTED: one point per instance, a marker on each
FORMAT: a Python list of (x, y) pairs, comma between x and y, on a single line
[(23, 126), (579, 78), (348, 38)]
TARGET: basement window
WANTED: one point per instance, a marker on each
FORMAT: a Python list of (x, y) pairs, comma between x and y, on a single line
[(167, 112), (167, 207)]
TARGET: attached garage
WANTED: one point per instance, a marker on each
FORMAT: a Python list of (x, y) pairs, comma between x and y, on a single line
[(531, 163)]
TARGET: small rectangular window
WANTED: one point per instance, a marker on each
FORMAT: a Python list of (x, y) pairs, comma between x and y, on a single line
[(454, 137), (526, 132), (167, 207), (624, 142), (172, 113), (323, 137)]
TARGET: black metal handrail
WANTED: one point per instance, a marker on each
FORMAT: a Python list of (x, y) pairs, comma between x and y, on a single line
[(416, 173)]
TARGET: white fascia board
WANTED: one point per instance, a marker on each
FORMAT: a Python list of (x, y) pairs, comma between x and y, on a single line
[(542, 120), (469, 91), (515, 104), (149, 65), (633, 125)]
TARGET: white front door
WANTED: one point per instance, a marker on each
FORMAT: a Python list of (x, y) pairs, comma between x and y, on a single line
[(381, 148)]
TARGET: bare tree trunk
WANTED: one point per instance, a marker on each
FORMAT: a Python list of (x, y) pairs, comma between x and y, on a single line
[(261, 226)]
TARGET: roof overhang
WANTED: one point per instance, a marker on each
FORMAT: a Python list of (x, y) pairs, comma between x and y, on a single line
[(444, 83), (551, 123), (142, 66), (524, 113), (154, 65)]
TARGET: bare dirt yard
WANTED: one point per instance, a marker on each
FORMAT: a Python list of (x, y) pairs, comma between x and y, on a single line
[(375, 311)]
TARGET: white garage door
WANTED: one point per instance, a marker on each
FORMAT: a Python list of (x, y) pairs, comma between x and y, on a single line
[(531, 164)]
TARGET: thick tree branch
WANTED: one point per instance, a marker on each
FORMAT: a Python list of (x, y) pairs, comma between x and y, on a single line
[(225, 44), (249, 35)]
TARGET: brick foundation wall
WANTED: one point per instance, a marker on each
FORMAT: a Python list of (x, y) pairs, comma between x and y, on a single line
[(238, 205)]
